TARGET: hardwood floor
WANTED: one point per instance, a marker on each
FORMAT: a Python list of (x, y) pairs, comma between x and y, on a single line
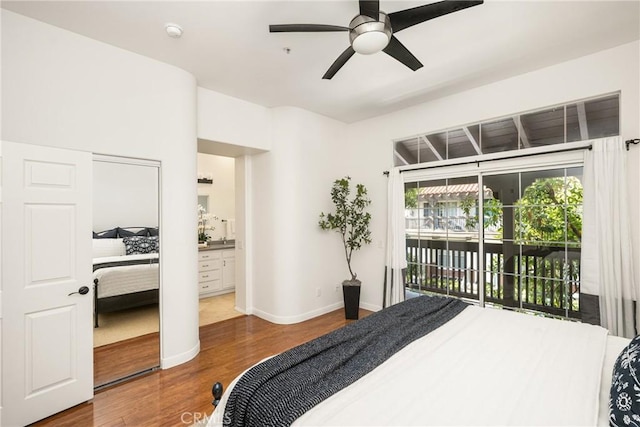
[(117, 360), (181, 396)]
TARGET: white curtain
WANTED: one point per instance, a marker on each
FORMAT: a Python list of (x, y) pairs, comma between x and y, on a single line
[(607, 260), (396, 263)]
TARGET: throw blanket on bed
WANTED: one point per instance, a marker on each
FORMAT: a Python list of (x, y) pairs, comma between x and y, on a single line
[(279, 390)]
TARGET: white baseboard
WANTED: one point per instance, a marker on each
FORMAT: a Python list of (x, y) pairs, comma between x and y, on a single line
[(287, 320), (236, 308), (178, 359), (370, 307)]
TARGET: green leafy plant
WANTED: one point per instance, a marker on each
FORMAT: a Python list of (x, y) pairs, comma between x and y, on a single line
[(411, 198), (492, 212), (349, 219), (550, 210)]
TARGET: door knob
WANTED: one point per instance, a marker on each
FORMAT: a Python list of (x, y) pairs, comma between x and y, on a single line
[(82, 291)]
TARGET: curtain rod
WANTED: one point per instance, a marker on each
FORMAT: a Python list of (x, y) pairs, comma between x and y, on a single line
[(589, 147), (627, 143)]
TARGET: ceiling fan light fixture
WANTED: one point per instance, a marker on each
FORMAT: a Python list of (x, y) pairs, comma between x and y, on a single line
[(371, 42), (369, 36)]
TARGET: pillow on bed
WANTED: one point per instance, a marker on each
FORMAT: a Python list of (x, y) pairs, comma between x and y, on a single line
[(624, 398), (153, 231), (122, 232), (106, 234), (107, 247), (140, 245)]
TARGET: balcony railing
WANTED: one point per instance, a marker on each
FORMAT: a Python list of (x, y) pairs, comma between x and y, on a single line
[(541, 279), (460, 223)]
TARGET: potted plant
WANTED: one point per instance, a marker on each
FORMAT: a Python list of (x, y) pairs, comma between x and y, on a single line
[(352, 223), (203, 224)]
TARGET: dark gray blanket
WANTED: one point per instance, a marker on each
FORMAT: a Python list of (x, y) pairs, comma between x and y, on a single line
[(279, 390)]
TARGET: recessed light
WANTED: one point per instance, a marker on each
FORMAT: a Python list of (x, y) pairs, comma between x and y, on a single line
[(173, 30)]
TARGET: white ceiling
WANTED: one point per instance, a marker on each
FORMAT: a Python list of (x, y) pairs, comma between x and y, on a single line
[(227, 46)]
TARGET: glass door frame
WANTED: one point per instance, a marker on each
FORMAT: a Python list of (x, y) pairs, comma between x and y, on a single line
[(534, 160)]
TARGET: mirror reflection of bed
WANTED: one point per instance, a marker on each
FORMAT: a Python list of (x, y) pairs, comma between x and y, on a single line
[(126, 254)]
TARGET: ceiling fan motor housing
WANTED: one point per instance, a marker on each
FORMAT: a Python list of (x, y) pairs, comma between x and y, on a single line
[(368, 35)]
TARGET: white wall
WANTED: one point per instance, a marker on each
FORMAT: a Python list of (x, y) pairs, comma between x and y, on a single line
[(64, 90), (291, 256), (230, 120), (281, 252), (124, 195), (608, 71), (222, 192)]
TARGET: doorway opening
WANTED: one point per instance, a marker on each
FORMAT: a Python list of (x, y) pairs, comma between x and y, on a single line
[(217, 238)]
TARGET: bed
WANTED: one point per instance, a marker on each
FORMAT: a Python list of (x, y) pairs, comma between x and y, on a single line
[(482, 367), (125, 270)]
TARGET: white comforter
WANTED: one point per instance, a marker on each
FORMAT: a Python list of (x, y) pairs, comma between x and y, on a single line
[(126, 279), (484, 367)]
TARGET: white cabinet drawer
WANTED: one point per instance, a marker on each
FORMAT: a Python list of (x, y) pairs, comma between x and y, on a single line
[(204, 276), (216, 271), (210, 286), (208, 265), (209, 255)]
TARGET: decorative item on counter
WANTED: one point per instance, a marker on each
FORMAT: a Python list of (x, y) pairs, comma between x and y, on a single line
[(203, 224)]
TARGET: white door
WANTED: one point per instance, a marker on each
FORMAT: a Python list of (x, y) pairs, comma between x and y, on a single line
[(47, 341)]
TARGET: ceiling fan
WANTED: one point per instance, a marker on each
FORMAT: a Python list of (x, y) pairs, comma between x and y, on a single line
[(373, 30)]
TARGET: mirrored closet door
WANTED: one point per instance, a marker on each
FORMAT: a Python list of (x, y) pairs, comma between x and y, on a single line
[(126, 249)]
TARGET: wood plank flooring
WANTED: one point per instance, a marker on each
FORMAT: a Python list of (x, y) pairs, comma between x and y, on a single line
[(126, 357), (181, 396)]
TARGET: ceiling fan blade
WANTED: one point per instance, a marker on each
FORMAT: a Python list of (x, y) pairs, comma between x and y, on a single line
[(409, 17), (305, 28), (397, 50), (370, 8), (338, 63)]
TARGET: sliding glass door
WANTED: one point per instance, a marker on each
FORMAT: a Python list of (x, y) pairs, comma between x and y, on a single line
[(508, 235), (442, 237)]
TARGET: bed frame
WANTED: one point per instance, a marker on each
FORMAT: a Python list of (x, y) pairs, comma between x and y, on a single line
[(122, 302)]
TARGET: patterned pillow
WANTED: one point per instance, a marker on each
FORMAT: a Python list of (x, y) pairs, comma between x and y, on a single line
[(624, 398), (140, 245)]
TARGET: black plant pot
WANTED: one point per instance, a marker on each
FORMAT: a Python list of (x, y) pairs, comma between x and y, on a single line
[(351, 294)]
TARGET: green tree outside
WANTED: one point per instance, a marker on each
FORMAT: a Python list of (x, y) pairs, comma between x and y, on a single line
[(546, 206), (548, 214), (411, 198)]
